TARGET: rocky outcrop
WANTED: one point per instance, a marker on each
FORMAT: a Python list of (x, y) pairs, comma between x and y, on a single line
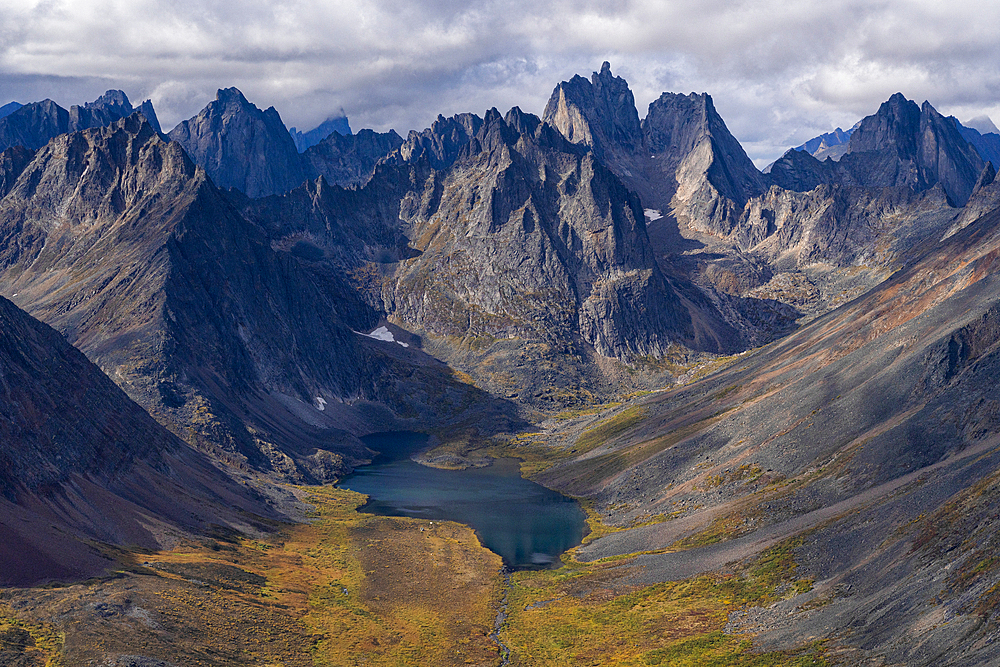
[(240, 146), (525, 236), (304, 140), (33, 125), (681, 149), (349, 159)]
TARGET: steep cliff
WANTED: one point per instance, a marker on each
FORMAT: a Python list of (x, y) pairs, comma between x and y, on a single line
[(681, 149), (241, 146)]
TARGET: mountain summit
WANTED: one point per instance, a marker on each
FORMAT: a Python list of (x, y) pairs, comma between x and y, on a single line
[(241, 146)]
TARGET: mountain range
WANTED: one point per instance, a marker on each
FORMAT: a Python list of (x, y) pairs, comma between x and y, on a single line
[(253, 300)]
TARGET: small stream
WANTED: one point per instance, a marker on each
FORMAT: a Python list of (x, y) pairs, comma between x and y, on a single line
[(501, 619)]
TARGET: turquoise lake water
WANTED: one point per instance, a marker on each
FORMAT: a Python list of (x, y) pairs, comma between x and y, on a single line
[(526, 524)]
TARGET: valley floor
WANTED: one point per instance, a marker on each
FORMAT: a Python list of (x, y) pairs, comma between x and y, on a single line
[(350, 588)]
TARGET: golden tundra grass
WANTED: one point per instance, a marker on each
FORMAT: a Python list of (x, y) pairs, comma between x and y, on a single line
[(578, 616), (346, 589), (355, 589)]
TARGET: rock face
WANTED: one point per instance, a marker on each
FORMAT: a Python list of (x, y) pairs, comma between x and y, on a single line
[(119, 241), (526, 237), (681, 149), (714, 176), (349, 159), (304, 140), (241, 146), (902, 145), (79, 461), (33, 125)]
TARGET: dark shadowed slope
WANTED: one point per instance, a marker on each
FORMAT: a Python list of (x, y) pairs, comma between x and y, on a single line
[(79, 461)]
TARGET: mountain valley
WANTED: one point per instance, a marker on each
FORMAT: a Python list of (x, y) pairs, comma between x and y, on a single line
[(772, 393)]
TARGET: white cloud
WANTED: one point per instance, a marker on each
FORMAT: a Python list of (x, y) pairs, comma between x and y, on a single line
[(779, 71)]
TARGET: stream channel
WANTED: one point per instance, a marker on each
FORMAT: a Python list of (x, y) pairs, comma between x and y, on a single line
[(526, 524)]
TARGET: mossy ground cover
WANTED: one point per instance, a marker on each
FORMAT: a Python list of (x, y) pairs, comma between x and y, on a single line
[(29, 644), (346, 589), (581, 615)]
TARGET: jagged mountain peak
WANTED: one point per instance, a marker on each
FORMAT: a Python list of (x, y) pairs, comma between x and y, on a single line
[(112, 99), (332, 125), (900, 145), (600, 112), (241, 146), (441, 142), (895, 124), (350, 159), (33, 125), (523, 123), (232, 95)]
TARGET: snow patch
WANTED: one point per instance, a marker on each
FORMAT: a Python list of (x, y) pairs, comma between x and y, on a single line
[(320, 403), (383, 334), (652, 214)]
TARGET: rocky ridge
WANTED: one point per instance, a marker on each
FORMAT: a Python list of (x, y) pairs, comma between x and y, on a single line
[(483, 235), (33, 125), (349, 159)]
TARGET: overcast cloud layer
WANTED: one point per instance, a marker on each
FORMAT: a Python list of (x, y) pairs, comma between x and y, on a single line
[(780, 71)]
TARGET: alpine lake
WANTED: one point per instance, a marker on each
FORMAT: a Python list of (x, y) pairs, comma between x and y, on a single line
[(526, 524)]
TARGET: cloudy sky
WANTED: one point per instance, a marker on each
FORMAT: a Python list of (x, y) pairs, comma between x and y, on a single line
[(780, 71)]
